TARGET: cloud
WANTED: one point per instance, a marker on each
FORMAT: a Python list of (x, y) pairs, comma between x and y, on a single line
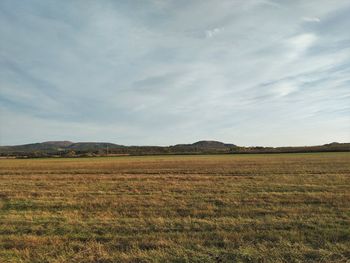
[(161, 72), (300, 43), (311, 19), (212, 32), (284, 88)]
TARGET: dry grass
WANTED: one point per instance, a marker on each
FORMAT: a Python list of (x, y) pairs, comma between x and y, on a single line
[(227, 208)]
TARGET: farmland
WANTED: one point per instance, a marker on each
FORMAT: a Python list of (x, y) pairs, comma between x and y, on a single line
[(205, 208)]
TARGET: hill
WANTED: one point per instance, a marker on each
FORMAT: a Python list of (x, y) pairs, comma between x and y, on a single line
[(207, 145), (71, 149), (56, 148)]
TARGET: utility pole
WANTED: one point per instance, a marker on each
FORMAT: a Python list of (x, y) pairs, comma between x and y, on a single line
[(107, 150)]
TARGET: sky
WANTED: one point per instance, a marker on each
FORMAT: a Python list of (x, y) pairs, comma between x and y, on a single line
[(248, 72)]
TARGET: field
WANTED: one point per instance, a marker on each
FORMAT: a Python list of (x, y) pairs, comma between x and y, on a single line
[(220, 208)]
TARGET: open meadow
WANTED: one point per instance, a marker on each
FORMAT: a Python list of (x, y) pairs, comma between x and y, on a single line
[(209, 208)]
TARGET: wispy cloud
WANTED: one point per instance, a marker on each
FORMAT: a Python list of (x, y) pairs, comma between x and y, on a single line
[(311, 19), (299, 44), (163, 72), (212, 32)]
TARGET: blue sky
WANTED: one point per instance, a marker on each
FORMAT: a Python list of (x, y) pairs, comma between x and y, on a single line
[(249, 72)]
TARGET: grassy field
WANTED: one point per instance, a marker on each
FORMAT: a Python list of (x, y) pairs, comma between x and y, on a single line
[(223, 208)]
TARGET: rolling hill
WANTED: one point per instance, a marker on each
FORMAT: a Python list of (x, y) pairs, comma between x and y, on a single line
[(71, 149)]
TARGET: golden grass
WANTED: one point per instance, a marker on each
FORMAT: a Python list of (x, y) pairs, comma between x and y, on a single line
[(221, 208)]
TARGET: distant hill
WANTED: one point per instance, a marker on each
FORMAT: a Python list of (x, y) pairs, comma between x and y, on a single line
[(207, 144), (91, 146), (58, 143), (57, 147), (72, 149)]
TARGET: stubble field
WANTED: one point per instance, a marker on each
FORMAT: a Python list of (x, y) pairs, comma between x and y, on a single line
[(222, 208)]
